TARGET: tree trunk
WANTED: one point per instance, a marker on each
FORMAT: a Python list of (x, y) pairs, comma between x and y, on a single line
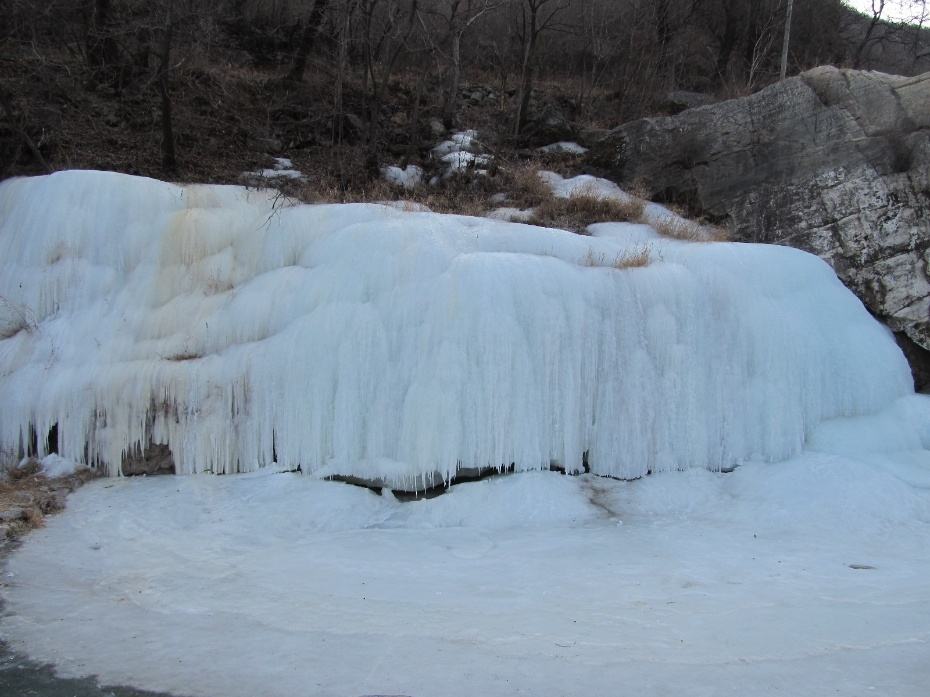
[(787, 40), (6, 101), (413, 138), (728, 42), (169, 161), (876, 16), (101, 47), (307, 40), (526, 70), (342, 62), (455, 72)]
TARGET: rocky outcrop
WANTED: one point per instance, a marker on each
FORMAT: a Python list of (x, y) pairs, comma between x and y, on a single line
[(836, 162), (156, 458)]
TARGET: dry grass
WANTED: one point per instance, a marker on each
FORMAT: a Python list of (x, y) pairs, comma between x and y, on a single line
[(689, 230), (586, 207), (27, 495), (633, 259), (462, 193), (467, 193), (523, 186)]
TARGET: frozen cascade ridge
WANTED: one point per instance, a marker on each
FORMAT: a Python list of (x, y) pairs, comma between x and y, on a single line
[(403, 347)]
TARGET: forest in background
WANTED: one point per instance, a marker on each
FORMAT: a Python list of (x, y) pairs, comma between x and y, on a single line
[(201, 91)]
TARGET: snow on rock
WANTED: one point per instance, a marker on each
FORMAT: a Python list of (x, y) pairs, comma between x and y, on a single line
[(53, 465), (444, 148), (366, 341), (458, 161), (462, 141), (460, 153), (583, 184), (655, 215), (512, 215), (283, 168), (409, 178), (465, 139), (563, 147)]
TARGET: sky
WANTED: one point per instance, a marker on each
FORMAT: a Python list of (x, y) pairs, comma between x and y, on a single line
[(895, 10)]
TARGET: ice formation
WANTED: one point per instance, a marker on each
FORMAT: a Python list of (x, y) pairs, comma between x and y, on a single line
[(365, 341)]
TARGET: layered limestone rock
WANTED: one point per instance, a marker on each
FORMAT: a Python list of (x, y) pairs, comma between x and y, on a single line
[(835, 162)]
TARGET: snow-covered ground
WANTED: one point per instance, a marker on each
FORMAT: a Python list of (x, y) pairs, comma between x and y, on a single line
[(806, 577)]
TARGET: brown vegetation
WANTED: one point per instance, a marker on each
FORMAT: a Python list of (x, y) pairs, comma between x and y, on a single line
[(203, 91), (27, 495), (631, 259), (584, 208), (681, 228)]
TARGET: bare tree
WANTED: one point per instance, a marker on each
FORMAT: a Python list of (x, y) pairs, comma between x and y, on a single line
[(765, 37), (169, 160), (920, 15), (6, 102), (535, 17), (311, 29), (101, 45), (601, 43), (344, 25), (878, 7), (458, 17), (786, 40), (386, 27)]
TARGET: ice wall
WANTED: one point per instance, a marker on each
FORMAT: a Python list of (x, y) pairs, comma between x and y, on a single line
[(362, 340)]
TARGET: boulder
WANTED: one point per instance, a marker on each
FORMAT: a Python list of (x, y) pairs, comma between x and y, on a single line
[(677, 101), (11, 515), (548, 121), (156, 458), (835, 162)]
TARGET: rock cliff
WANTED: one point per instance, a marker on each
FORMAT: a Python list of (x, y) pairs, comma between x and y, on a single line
[(836, 162)]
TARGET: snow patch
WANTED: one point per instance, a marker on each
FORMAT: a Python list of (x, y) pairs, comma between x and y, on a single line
[(563, 147), (462, 152), (283, 168), (409, 178), (54, 465), (512, 215), (658, 217)]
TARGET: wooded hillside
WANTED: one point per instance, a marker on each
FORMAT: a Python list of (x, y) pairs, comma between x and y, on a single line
[(202, 91)]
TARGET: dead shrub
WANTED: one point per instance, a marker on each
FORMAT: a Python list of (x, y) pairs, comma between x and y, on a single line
[(630, 259), (584, 208), (15, 471), (679, 228), (460, 193), (27, 495), (524, 187)]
